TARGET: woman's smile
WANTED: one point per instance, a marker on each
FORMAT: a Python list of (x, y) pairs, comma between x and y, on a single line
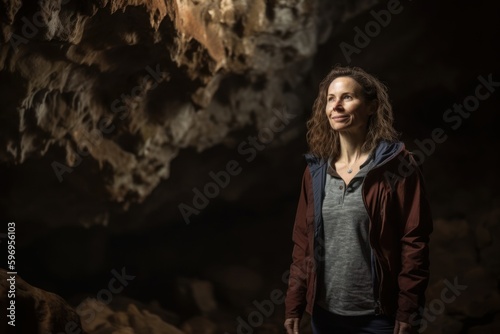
[(346, 107), (340, 118)]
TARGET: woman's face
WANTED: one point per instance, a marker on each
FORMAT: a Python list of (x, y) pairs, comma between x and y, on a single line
[(346, 108)]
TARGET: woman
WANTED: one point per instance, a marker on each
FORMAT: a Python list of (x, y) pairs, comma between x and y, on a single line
[(360, 256)]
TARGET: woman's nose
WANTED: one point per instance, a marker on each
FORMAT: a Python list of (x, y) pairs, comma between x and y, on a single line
[(337, 105)]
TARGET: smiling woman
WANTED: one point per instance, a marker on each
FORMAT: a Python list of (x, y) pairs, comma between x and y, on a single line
[(369, 91), (348, 113), (346, 107), (360, 260)]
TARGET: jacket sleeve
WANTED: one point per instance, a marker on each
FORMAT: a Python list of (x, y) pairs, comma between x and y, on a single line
[(416, 228), (295, 301)]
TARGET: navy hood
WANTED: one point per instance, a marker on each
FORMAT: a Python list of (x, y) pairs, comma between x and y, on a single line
[(385, 151)]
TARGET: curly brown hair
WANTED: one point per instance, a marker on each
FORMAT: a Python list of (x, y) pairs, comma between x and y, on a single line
[(323, 141)]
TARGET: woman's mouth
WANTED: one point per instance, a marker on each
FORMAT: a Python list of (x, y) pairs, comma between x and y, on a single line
[(340, 118)]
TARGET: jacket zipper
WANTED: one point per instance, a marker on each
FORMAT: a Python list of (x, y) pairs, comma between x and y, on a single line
[(376, 285), (376, 281), (376, 278), (376, 275)]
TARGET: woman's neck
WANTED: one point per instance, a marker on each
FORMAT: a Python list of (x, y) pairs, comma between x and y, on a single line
[(351, 146)]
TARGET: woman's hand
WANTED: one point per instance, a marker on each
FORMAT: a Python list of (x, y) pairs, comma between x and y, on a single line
[(403, 328), (292, 325)]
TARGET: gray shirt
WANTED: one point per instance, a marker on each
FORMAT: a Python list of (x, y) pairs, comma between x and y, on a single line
[(345, 287)]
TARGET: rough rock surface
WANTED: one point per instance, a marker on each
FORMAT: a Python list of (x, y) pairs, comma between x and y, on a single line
[(110, 91), (128, 321), (463, 294), (36, 311), (130, 104)]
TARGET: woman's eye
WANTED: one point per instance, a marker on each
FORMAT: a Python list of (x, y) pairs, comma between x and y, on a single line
[(347, 97)]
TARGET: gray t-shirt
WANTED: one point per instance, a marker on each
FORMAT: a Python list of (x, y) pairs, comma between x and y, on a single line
[(345, 287)]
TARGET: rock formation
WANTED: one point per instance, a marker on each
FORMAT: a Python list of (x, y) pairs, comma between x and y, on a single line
[(109, 92), (35, 311), (114, 112)]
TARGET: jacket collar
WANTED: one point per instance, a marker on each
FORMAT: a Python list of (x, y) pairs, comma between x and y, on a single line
[(384, 152)]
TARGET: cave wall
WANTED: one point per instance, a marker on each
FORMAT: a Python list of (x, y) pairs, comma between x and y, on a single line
[(113, 113), (103, 95)]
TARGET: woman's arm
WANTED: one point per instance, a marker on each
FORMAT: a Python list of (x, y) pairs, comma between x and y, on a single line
[(417, 226), (295, 301)]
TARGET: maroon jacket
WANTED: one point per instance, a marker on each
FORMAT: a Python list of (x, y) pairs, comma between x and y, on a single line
[(400, 225)]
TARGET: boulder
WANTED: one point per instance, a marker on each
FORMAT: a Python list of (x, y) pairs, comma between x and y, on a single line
[(36, 311)]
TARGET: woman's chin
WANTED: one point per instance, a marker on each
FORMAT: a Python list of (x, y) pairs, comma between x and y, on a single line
[(340, 127)]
